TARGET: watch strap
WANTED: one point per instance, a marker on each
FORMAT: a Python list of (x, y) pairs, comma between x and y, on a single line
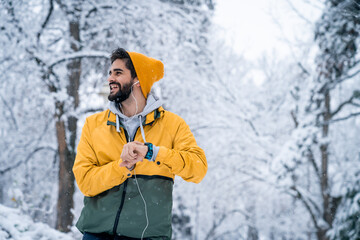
[(150, 151)]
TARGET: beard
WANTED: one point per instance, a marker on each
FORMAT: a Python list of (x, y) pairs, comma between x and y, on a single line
[(122, 94)]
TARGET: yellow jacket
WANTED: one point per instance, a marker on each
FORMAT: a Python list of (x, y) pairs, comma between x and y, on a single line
[(96, 166)]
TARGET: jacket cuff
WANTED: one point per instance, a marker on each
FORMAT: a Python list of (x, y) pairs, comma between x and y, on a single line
[(163, 157), (155, 153)]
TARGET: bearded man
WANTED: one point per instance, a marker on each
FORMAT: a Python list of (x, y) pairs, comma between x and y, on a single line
[(129, 154)]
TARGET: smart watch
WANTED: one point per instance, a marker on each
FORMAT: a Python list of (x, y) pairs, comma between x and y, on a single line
[(150, 152)]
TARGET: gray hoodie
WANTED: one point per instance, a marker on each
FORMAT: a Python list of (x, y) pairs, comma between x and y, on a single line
[(131, 124)]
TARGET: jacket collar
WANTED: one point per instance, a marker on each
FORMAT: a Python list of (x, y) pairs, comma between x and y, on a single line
[(150, 117)]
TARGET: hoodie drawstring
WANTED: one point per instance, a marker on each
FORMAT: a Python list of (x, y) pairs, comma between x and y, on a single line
[(117, 123), (141, 126), (142, 129)]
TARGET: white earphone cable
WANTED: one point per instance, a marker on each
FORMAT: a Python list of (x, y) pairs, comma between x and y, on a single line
[(137, 184), (145, 206), (136, 104)]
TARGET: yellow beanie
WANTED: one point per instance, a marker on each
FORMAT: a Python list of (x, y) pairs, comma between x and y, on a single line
[(148, 70)]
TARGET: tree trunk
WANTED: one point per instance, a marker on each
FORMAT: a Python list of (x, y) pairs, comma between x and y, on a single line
[(321, 234), (325, 192), (67, 147), (252, 233), (66, 181)]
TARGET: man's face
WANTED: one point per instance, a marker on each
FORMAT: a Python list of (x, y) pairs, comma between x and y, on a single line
[(120, 81)]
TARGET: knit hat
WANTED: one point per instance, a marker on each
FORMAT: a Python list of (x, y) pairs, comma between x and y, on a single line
[(148, 71)]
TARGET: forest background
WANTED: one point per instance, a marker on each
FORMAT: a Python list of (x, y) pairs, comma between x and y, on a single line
[(280, 131)]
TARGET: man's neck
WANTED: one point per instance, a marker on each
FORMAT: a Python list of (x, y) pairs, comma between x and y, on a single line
[(130, 107)]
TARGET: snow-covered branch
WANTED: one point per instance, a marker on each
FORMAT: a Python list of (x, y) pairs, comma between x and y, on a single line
[(311, 158), (96, 8), (349, 101), (77, 55), (11, 11), (47, 19), (344, 118), (307, 206), (2, 171), (11, 112), (219, 220), (297, 12)]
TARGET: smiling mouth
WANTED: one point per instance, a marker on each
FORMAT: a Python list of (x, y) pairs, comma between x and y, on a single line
[(114, 86)]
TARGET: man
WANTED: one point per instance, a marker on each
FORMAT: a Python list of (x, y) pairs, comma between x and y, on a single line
[(128, 156)]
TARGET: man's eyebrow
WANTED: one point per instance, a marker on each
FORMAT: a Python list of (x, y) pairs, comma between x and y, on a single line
[(116, 70)]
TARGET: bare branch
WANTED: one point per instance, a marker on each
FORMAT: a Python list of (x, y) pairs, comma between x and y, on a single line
[(51, 8), (343, 118), (95, 9), (349, 76), (9, 235), (46, 72), (11, 112), (26, 159), (307, 206), (313, 3), (252, 126), (349, 101), (298, 13), (303, 68), (225, 234), (314, 204), (223, 216), (15, 21), (344, 78), (355, 104), (62, 6), (253, 176), (296, 122), (312, 161)]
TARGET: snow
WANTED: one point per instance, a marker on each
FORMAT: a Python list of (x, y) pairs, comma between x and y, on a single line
[(16, 226), (258, 116)]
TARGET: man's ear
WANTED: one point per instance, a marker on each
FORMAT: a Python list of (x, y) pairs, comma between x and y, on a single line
[(137, 82)]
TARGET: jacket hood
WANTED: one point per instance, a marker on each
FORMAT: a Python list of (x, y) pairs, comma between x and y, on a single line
[(148, 70), (152, 103)]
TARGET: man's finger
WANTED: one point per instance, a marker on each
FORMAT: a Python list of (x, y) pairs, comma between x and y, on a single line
[(138, 143), (123, 164), (131, 150)]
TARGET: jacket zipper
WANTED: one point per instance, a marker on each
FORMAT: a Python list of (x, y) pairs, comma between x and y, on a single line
[(123, 193), (125, 185), (120, 208)]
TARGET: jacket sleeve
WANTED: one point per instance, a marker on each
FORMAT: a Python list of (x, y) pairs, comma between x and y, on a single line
[(91, 178), (186, 159)]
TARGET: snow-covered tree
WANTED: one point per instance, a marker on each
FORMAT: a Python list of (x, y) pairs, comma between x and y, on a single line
[(320, 158), (57, 51), (346, 225)]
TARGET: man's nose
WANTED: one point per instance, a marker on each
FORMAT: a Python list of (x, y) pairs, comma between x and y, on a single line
[(110, 79)]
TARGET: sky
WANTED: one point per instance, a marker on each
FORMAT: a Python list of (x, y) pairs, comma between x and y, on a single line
[(258, 26)]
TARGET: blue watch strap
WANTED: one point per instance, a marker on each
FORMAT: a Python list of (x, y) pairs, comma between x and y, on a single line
[(149, 153)]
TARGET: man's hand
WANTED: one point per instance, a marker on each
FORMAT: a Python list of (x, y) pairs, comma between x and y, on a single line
[(132, 153)]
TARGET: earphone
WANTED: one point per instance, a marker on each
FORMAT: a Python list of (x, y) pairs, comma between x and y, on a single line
[(135, 83)]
